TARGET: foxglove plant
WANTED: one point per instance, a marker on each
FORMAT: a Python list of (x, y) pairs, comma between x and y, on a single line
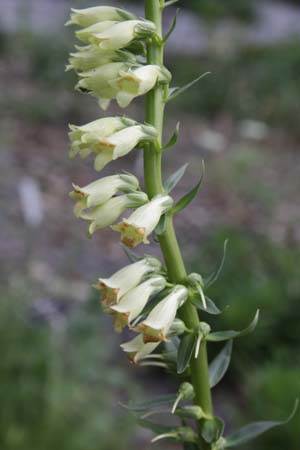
[(160, 303)]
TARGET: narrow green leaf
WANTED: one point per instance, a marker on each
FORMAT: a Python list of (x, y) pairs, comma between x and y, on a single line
[(185, 351), (174, 179), (219, 336), (212, 429), (189, 197), (215, 275), (178, 91), (218, 367), (172, 28), (255, 429), (174, 138), (156, 427), (161, 227), (154, 403), (170, 2), (211, 307)]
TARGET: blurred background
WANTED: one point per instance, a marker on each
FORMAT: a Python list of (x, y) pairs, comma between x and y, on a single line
[(61, 370)]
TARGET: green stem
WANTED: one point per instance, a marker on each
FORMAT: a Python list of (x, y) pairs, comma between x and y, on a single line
[(153, 180)]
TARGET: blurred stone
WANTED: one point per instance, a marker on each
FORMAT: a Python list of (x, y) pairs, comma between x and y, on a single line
[(253, 129), (31, 201), (210, 140)]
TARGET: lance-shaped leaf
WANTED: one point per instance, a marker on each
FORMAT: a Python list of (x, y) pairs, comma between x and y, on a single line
[(150, 404), (173, 93), (218, 367), (170, 3), (174, 138), (189, 197), (174, 179), (215, 275), (212, 429), (255, 429), (161, 227), (210, 307), (156, 427), (172, 27), (219, 336), (185, 351)]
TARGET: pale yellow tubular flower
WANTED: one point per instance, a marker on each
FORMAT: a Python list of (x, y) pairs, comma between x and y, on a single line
[(137, 350), (114, 287), (104, 215), (89, 16), (91, 57), (137, 227), (133, 302), (121, 34), (99, 191), (85, 138), (85, 35), (136, 82), (156, 326), (121, 143)]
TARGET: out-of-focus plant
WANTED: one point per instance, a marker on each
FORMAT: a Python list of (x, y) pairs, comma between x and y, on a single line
[(121, 57), (59, 388)]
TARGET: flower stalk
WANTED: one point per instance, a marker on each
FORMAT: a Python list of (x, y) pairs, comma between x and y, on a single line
[(168, 240)]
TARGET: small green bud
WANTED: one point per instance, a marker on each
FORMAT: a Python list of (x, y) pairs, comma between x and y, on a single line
[(204, 328), (186, 391), (178, 327), (192, 411), (187, 434)]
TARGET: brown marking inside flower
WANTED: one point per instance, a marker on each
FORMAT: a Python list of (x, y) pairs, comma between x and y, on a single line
[(106, 144)]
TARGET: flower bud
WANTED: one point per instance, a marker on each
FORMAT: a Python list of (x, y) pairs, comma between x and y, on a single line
[(136, 349), (134, 301), (204, 328), (113, 288), (156, 326), (89, 16), (121, 34), (220, 444), (186, 434), (100, 191), (186, 391), (178, 327), (191, 411), (137, 227), (137, 82), (84, 138), (104, 215)]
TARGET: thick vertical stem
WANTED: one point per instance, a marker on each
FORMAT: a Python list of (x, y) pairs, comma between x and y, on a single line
[(168, 241)]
